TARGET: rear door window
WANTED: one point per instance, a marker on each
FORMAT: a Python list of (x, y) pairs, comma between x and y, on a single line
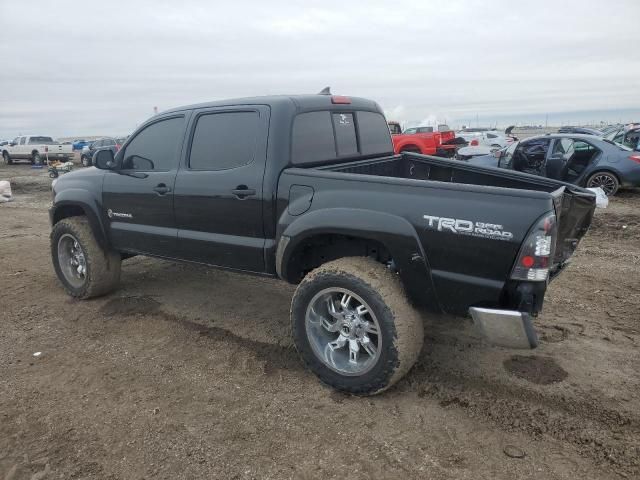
[(345, 129), (224, 140)]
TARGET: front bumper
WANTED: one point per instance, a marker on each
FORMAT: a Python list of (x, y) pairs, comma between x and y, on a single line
[(507, 328)]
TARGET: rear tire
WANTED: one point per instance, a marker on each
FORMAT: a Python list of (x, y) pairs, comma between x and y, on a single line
[(36, 159), (84, 269), (377, 308), (7, 158), (86, 161), (605, 180)]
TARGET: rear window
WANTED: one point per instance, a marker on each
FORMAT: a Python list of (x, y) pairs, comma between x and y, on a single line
[(324, 136), (345, 129), (40, 140), (374, 137)]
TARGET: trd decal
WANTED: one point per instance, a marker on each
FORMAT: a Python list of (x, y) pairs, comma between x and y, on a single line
[(467, 227)]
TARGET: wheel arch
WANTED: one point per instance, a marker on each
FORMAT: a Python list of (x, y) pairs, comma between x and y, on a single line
[(65, 208), (409, 146), (344, 232)]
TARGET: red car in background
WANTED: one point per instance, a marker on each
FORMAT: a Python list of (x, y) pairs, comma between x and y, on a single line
[(423, 140)]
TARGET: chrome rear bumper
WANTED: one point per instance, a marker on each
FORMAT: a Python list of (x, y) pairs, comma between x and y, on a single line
[(507, 328)]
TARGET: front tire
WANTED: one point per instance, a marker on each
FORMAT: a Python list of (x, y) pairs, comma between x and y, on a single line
[(7, 158), (354, 327), (84, 269), (605, 180)]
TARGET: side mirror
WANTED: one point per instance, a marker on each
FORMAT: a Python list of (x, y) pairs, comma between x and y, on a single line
[(103, 159)]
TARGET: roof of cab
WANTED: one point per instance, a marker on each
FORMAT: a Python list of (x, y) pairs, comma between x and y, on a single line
[(299, 102)]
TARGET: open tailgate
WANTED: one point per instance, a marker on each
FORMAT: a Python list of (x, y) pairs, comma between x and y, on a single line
[(574, 211)]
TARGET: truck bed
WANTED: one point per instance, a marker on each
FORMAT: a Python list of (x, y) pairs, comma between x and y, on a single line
[(424, 167), (574, 205), (466, 269)]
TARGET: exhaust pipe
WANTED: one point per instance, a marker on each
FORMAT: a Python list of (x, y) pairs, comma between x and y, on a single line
[(507, 328)]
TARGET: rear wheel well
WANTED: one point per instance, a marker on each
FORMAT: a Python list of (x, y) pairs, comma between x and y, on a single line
[(320, 249), (410, 148)]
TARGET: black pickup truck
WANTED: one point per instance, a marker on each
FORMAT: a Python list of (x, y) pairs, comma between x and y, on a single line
[(307, 188)]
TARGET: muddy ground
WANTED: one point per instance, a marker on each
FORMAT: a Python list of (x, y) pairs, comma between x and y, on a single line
[(187, 372)]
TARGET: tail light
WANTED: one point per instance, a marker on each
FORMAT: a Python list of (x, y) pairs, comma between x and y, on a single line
[(474, 142), (536, 254), (46, 149), (635, 158), (118, 147)]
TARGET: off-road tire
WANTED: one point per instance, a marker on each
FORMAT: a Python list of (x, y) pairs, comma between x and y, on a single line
[(36, 159), (401, 326), (86, 161), (7, 158), (103, 267)]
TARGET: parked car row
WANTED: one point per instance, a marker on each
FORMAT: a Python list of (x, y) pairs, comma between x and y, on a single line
[(88, 151), (580, 159)]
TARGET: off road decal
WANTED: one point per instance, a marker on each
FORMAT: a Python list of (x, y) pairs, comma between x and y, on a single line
[(467, 227)]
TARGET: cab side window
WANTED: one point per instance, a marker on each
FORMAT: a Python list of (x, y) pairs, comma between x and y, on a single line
[(225, 140), (22, 140), (156, 147)]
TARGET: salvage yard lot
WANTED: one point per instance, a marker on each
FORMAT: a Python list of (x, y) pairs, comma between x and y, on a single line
[(189, 372)]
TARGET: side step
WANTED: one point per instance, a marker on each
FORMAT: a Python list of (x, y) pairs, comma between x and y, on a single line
[(507, 328)]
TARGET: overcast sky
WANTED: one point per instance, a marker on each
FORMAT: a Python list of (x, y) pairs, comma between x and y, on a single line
[(73, 68)]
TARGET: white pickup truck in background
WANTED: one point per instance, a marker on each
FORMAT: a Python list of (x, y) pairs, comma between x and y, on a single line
[(35, 148)]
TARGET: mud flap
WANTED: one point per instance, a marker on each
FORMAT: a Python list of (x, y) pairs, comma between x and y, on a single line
[(507, 328)]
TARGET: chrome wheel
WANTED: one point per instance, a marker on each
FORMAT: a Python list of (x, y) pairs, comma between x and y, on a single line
[(71, 260), (343, 331), (605, 181)]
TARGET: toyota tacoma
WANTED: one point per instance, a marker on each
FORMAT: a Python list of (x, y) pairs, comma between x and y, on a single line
[(308, 189)]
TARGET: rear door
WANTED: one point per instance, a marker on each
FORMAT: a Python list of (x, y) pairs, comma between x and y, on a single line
[(21, 149), (138, 196), (218, 191)]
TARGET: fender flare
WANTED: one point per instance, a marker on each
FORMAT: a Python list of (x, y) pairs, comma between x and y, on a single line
[(397, 235), (76, 197)]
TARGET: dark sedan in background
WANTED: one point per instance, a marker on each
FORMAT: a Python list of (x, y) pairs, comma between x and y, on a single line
[(89, 151), (584, 160)]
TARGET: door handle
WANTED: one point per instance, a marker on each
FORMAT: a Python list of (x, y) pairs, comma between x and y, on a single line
[(161, 189), (242, 192)]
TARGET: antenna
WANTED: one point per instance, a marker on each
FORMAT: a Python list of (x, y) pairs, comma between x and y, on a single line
[(325, 91)]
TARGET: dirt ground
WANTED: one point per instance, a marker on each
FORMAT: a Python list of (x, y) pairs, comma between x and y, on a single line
[(188, 372)]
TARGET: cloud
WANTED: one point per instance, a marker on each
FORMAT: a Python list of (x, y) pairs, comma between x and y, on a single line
[(103, 69)]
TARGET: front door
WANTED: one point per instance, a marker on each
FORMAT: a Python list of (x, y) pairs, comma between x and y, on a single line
[(218, 191), (138, 195)]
